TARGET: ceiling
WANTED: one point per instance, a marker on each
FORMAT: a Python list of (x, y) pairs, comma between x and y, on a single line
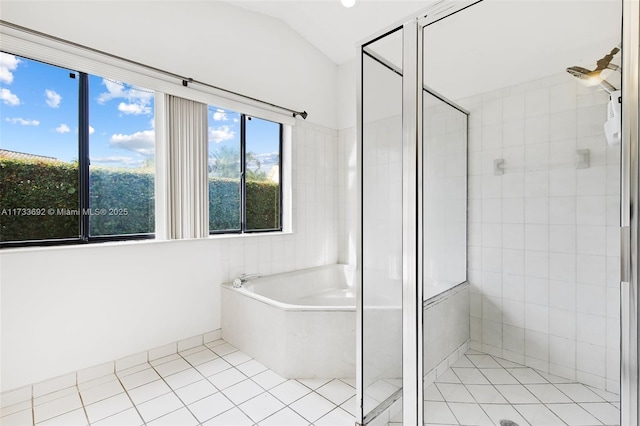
[(332, 28), (494, 44)]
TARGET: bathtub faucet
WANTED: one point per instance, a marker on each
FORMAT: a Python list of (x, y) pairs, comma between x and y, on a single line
[(237, 283)]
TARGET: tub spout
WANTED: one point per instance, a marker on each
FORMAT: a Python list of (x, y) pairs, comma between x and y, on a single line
[(237, 283)]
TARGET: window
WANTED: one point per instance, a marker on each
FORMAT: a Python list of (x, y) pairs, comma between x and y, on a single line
[(245, 156), (77, 155)]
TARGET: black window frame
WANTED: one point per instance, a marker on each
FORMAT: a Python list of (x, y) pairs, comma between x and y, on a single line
[(243, 193), (84, 236)]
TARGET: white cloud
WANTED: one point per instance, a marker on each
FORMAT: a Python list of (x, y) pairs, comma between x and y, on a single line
[(53, 98), (134, 109), (126, 161), (91, 130), (8, 63), (9, 98), (18, 120), (138, 99), (141, 142), (220, 115), (220, 134), (63, 128)]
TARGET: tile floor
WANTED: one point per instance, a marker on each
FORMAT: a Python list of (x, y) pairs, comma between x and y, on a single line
[(482, 390), (214, 384)]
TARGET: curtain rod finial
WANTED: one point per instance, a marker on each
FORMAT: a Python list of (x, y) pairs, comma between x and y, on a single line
[(302, 114)]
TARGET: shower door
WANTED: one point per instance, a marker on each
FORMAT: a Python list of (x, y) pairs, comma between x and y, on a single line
[(379, 372)]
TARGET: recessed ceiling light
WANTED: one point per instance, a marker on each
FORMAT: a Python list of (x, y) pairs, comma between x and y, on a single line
[(348, 3)]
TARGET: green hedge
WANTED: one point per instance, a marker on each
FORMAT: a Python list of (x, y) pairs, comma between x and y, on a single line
[(53, 185)]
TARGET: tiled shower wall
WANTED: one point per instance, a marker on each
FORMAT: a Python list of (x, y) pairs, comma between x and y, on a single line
[(543, 236)]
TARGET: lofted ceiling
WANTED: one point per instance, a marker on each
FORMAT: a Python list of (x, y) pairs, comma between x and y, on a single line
[(491, 45), (332, 28)]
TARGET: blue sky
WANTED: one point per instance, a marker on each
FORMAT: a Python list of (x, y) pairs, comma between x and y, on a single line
[(39, 115)]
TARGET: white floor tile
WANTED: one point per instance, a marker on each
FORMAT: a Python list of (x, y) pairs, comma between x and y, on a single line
[(336, 391), (313, 383), (603, 411), (312, 407), (261, 407), (200, 357), (73, 390), (579, 392), (470, 376), (193, 350), (15, 396), (337, 417), (538, 415), (148, 392), (497, 412), (470, 414), (498, 376), (455, 392), (212, 367), (438, 413), (133, 369), (243, 391), (548, 393), (486, 394), (380, 390), (159, 406), (251, 368), (108, 407), (464, 362), (607, 396), (431, 393), (573, 414), (448, 377), (102, 391), (507, 364), (351, 382), (140, 378), (227, 378), (289, 391), (284, 417), (183, 378), (351, 406), (237, 357), (72, 418), (551, 378), (526, 376), (233, 417), (56, 407), (196, 391), (180, 417), (223, 349), (483, 361), (172, 367), (268, 379), (517, 394), (210, 407), (128, 417)]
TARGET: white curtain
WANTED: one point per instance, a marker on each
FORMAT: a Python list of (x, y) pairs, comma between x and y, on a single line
[(187, 188)]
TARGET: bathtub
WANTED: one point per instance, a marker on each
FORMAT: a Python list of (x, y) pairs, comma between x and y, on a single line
[(300, 324)]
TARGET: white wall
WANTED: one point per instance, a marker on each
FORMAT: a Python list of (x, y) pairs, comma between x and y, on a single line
[(67, 308), (543, 237)]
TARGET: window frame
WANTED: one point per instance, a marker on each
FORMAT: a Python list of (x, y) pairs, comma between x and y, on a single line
[(243, 192), (84, 227)]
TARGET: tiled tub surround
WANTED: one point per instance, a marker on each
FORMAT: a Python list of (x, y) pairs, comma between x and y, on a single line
[(301, 324), (543, 236), (211, 384)]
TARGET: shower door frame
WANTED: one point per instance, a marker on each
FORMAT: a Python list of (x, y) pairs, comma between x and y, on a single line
[(630, 196), (412, 333)]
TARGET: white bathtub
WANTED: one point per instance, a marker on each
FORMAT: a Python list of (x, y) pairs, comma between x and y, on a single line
[(300, 324)]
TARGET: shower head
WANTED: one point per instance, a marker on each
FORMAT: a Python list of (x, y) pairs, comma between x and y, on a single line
[(592, 78)]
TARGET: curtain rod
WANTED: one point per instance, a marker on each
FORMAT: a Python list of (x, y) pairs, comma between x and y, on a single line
[(185, 80)]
